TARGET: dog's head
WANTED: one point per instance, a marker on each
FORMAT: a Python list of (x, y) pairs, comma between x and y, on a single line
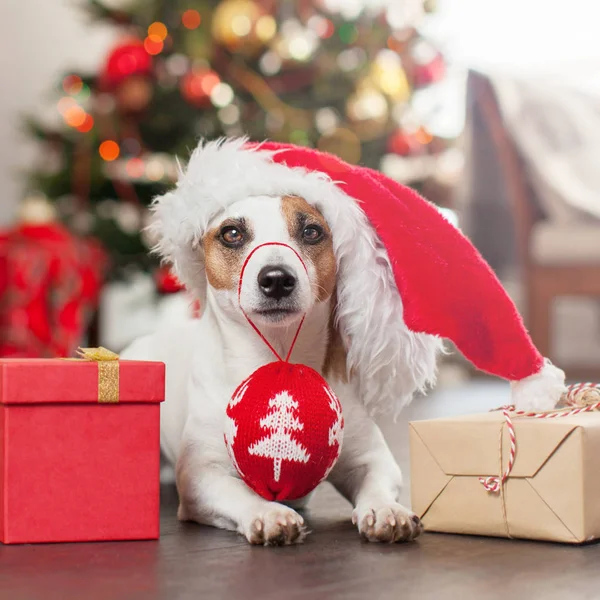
[(305, 240), (284, 248)]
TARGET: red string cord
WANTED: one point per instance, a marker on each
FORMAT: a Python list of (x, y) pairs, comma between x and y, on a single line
[(262, 337)]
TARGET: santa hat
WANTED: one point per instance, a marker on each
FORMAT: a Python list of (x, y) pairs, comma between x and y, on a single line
[(407, 277)]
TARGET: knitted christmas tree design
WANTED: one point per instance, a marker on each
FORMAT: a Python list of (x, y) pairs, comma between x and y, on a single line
[(280, 445)]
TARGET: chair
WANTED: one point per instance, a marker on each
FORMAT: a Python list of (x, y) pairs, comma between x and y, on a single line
[(556, 259)]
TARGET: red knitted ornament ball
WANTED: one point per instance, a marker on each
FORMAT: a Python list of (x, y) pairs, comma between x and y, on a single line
[(284, 430)]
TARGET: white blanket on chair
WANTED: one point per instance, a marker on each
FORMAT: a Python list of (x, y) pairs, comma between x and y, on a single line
[(557, 132)]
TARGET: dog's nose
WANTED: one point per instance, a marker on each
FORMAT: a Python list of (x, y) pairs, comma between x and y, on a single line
[(276, 282)]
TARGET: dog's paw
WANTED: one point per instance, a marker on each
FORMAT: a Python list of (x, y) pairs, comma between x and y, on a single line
[(387, 523), (278, 525)]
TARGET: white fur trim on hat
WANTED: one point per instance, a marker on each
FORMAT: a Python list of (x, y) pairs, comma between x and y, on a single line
[(539, 392)]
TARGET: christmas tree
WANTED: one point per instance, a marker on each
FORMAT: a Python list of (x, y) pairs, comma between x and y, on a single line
[(279, 443), (324, 73)]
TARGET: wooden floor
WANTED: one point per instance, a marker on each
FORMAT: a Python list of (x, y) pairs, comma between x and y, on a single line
[(200, 562)]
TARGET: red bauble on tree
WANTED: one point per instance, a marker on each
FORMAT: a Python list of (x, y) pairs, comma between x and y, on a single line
[(403, 143), (127, 59), (127, 74), (284, 430)]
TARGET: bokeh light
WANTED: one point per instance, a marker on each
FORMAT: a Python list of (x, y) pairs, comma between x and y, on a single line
[(109, 150), (191, 19), (158, 30), (131, 146), (241, 25), (155, 170), (348, 33), (300, 137), (266, 28), (84, 93), (75, 116), (64, 104), (135, 168), (87, 124), (72, 84), (153, 45), (229, 115), (177, 65), (321, 26), (221, 95), (423, 136), (270, 63)]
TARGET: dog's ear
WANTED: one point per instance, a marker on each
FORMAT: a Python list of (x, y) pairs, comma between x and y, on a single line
[(387, 361), (178, 241)]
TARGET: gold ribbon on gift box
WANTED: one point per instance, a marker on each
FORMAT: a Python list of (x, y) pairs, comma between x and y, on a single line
[(108, 372)]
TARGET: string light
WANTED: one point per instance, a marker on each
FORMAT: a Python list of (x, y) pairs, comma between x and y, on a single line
[(221, 95), (84, 93), (153, 45), (229, 115), (326, 120), (191, 19), (300, 47), (158, 30), (135, 168), (270, 63), (348, 33), (75, 116), (241, 25), (423, 136), (72, 84), (87, 124), (321, 26), (351, 59), (155, 170), (266, 28), (387, 73), (109, 150), (64, 104), (177, 65)]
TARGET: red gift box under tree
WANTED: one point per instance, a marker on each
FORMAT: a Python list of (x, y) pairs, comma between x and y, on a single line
[(79, 449)]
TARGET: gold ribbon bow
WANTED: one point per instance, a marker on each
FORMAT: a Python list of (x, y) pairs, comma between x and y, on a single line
[(108, 372)]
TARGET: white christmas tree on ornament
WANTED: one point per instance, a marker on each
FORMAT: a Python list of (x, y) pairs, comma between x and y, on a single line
[(279, 445)]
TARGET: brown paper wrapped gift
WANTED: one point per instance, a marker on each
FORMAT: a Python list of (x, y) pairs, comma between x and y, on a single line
[(552, 493)]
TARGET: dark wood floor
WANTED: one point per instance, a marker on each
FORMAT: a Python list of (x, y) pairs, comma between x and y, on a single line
[(200, 562)]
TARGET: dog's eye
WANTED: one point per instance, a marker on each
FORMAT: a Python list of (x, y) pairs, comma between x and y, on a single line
[(231, 236), (312, 234)]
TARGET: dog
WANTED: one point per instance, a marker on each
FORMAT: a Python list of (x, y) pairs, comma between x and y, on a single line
[(350, 340)]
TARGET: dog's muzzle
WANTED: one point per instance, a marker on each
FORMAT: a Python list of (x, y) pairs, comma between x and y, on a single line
[(276, 282)]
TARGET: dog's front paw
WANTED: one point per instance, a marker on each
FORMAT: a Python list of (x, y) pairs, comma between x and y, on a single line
[(277, 525), (387, 523)]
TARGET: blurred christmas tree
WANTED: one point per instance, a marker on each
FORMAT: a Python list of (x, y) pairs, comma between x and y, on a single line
[(324, 73)]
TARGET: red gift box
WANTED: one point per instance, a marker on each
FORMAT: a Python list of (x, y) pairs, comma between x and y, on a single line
[(79, 449)]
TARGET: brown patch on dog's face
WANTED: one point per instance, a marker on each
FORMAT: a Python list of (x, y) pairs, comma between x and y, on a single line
[(307, 226), (223, 255)]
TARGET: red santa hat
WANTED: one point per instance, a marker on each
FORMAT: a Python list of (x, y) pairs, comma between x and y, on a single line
[(407, 277)]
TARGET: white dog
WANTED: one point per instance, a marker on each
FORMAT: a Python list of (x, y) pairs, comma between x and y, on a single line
[(229, 201)]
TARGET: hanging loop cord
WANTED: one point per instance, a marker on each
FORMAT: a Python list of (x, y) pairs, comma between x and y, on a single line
[(262, 337)]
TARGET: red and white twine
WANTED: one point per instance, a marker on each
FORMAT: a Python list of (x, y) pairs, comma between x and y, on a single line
[(494, 484)]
